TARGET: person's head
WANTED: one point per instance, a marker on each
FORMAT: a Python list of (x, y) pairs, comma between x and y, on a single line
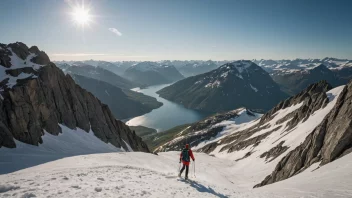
[(187, 146)]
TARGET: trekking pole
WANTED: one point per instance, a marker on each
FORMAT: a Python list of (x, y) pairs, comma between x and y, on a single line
[(194, 168)]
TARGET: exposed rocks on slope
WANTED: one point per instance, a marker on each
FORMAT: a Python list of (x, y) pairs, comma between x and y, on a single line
[(314, 92), (202, 131), (328, 141), (274, 152), (312, 99)]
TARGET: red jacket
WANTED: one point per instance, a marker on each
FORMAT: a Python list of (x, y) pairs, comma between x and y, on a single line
[(190, 153)]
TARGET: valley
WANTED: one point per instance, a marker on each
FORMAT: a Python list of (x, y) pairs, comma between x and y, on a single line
[(167, 116)]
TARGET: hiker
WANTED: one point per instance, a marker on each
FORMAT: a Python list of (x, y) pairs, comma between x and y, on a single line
[(184, 156)]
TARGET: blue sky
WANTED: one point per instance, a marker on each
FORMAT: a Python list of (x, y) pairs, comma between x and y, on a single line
[(183, 29)]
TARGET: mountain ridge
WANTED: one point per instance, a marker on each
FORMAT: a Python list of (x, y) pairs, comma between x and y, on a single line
[(228, 87)]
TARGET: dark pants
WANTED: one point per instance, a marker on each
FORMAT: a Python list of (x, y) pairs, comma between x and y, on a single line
[(183, 168)]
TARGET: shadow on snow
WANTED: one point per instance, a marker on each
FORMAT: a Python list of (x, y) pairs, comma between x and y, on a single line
[(203, 189)]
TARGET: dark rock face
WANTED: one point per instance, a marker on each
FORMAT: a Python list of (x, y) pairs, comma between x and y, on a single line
[(40, 104), (328, 141), (20, 49), (17, 72), (274, 152), (5, 56), (6, 138), (42, 58)]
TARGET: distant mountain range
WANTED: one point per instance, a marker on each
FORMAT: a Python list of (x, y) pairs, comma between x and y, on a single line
[(295, 75), (298, 64), (152, 73), (97, 73), (294, 82), (233, 85)]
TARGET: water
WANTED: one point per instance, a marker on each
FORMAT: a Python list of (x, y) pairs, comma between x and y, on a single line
[(167, 116)]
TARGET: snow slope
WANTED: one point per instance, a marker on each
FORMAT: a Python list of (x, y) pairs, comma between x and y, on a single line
[(68, 143), (147, 175)]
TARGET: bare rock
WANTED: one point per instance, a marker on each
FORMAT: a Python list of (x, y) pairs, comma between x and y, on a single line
[(274, 152), (20, 49)]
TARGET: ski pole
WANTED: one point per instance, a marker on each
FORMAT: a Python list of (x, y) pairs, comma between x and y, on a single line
[(194, 168)]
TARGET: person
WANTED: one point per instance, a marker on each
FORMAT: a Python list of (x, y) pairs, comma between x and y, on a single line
[(185, 158)]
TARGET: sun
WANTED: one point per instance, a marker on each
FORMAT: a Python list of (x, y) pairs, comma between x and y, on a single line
[(81, 16)]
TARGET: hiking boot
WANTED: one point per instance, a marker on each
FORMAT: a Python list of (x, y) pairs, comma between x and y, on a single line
[(186, 177), (179, 175)]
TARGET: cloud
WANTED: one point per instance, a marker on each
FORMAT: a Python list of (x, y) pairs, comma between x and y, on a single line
[(115, 31), (80, 54), (105, 55)]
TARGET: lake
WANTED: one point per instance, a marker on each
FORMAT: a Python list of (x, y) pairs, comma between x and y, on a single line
[(167, 116)]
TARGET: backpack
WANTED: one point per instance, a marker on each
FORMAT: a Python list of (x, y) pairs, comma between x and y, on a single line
[(185, 155)]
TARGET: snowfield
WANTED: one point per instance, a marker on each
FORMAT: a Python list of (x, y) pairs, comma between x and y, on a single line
[(146, 175), (68, 143)]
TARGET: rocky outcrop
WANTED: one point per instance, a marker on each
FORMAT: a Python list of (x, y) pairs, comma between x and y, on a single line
[(5, 54), (274, 152), (329, 141), (20, 49), (42, 103), (314, 97)]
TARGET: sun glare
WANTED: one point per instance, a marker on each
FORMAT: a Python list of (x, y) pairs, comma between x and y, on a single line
[(81, 16)]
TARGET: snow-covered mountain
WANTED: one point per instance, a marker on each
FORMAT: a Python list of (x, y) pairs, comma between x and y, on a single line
[(231, 86), (298, 64), (294, 75), (298, 136), (195, 68), (152, 73), (37, 99), (294, 82), (18, 62)]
